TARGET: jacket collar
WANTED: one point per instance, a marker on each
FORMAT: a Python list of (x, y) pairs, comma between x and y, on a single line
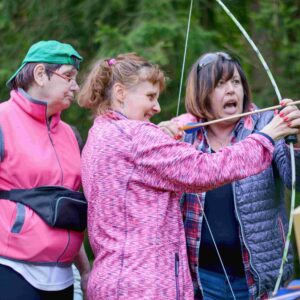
[(248, 123), (114, 115), (36, 109)]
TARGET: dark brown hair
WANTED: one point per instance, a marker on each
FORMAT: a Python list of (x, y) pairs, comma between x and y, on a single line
[(203, 78), (25, 77)]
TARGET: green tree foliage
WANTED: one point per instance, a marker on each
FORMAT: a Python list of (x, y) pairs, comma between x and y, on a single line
[(156, 29)]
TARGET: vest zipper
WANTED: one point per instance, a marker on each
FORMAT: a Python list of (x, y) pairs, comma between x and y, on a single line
[(243, 238), (177, 276), (52, 143), (281, 228), (61, 183)]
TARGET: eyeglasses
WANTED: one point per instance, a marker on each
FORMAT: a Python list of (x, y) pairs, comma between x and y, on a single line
[(211, 58), (65, 77)]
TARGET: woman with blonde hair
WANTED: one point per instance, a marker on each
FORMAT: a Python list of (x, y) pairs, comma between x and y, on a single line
[(133, 175)]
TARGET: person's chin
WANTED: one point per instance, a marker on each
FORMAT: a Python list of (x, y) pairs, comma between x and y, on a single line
[(232, 121), (147, 118), (68, 102), (65, 106)]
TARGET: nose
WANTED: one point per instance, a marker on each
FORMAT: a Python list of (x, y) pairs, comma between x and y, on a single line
[(156, 107), (75, 87), (229, 87)]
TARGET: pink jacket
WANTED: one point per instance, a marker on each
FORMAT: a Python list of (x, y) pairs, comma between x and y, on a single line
[(35, 153), (133, 175)]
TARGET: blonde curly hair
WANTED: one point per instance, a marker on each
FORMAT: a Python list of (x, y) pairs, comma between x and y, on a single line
[(128, 69)]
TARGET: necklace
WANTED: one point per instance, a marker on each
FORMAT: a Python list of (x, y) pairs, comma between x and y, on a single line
[(217, 142)]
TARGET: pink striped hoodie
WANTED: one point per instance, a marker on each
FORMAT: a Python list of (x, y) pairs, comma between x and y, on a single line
[(133, 175)]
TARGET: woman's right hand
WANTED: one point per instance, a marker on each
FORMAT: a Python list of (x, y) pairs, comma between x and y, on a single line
[(171, 129), (287, 122)]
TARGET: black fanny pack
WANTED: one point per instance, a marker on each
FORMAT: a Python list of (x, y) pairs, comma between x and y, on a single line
[(57, 206)]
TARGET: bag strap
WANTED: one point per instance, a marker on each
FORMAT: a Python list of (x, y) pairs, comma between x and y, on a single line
[(6, 195), (57, 206), (27, 195), (1, 145), (17, 195), (78, 137)]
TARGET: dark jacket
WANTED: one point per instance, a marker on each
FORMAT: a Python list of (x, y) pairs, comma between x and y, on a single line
[(260, 210)]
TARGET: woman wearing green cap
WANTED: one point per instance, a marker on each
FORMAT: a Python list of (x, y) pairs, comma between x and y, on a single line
[(40, 159)]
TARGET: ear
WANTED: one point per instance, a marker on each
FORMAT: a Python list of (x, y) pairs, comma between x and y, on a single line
[(119, 92), (39, 74)]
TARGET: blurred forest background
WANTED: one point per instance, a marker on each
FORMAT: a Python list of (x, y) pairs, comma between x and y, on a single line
[(156, 29)]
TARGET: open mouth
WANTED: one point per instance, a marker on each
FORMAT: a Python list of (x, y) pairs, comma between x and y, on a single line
[(230, 107), (230, 104)]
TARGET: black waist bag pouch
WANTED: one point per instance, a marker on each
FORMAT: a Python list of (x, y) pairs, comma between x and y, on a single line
[(58, 206)]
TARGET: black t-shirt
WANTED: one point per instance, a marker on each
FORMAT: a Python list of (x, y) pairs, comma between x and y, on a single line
[(220, 212)]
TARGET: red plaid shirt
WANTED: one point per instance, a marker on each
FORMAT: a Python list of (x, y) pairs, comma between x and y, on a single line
[(192, 210)]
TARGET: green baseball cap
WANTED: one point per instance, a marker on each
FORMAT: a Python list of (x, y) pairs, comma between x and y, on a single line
[(52, 52)]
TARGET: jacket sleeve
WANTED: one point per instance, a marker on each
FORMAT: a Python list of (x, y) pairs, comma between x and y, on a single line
[(282, 156), (164, 163), (184, 119), (282, 159)]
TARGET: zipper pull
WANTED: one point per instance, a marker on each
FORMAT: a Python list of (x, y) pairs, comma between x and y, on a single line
[(176, 264)]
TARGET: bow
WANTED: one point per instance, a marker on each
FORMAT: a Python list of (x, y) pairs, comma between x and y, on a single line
[(293, 167)]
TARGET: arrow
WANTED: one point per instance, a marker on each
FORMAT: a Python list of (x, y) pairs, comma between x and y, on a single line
[(194, 126)]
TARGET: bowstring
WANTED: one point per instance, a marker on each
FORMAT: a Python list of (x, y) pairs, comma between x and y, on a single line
[(177, 113), (216, 247), (184, 56)]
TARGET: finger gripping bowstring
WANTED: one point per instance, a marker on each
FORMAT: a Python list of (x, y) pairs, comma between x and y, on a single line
[(293, 167)]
